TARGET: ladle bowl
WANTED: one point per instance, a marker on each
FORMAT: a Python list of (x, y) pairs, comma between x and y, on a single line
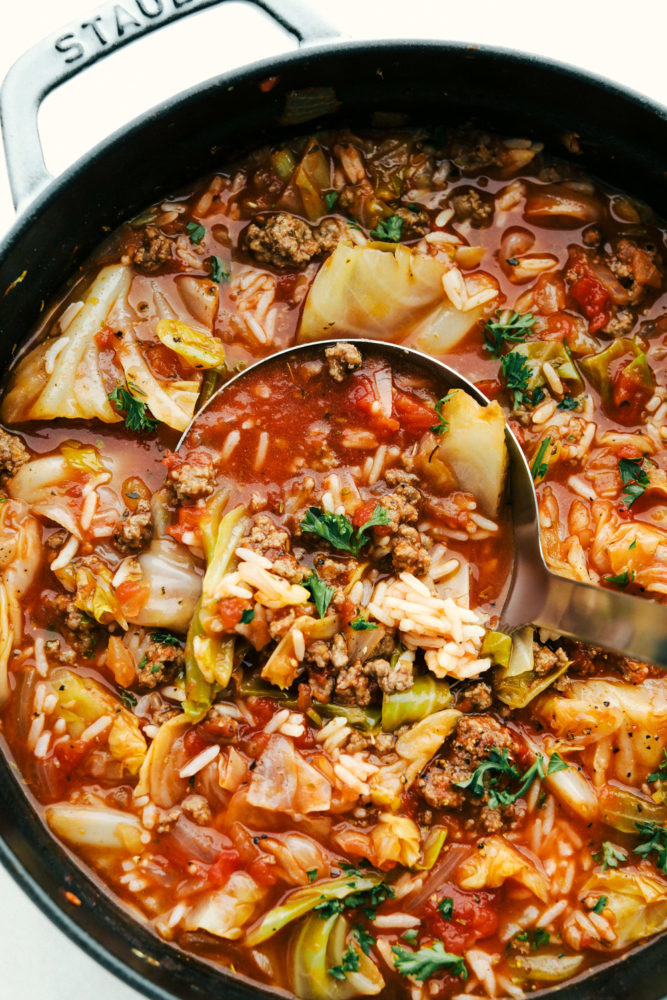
[(598, 616)]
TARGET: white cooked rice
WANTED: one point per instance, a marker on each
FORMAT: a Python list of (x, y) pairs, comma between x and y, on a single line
[(200, 761)]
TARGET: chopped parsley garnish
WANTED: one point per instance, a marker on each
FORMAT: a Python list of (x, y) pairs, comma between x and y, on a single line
[(517, 373), (366, 940), (539, 468), (410, 935), (247, 615), (600, 905), (535, 938), (166, 638), (423, 963), (498, 766), (218, 268), (366, 900), (362, 624), (348, 963), (657, 841), (507, 328), (634, 479), (443, 425), (661, 773), (320, 591), (136, 418), (568, 403), (621, 579), (195, 231), (312, 874), (556, 764), (446, 907), (128, 699), (388, 229), (609, 856), (339, 531), (330, 199)]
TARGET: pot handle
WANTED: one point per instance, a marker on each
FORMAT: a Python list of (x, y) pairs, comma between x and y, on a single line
[(79, 44)]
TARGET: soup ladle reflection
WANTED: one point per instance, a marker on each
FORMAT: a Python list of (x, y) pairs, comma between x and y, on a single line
[(597, 616)]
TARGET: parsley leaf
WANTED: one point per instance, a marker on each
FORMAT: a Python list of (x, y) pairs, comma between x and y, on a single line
[(329, 908), (609, 856), (536, 938), (487, 775), (195, 231), (657, 842), (339, 531), (621, 579), (166, 638), (388, 229), (517, 373), (423, 963), (661, 773), (634, 479), (312, 874), (362, 624), (410, 935), (600, 905), (568, 403), (128, 699), (539, 468), (330, 199), (219, 271), (247, 615), (507, 328), (446, 907), (443, 425), (556, 764), (378, 517), (136, 418), (348, 963), (320, 591), (367, 900), (366, 940)]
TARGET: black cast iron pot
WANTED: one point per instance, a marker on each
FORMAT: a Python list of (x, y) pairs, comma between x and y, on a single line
[(617, 135)]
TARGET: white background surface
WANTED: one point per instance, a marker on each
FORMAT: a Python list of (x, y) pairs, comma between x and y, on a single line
[(620, 40)]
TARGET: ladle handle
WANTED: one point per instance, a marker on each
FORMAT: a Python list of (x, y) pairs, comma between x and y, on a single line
[(603, 617)]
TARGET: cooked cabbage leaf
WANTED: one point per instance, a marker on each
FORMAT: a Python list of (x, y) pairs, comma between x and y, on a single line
[(61, 377), (384, 294), (637, 900), (318, 966)]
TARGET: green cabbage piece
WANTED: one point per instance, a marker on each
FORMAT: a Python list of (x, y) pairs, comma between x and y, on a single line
[(622, 809), (545, 967), (304, 900), (426, 696), (319, 946), (392, 293), (638, 902), (517, 683), (538, 353), (596, 367)]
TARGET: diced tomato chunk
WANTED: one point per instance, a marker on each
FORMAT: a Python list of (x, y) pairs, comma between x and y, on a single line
[(491, 387), (263, 870), (415, 418), (262, 709), (230, 610), (474, 917), (362, 396), (364, 512), (629, 392), (189, 520), (228, 861), (560, 326), (132, 596), (593, 298)]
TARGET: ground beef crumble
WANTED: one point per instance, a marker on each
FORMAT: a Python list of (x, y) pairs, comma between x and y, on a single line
[(286, 242), (464, 750), (79, 631), (191, 481), (135, 528), (408, 553), (342, 359), (148, 249), (272, 542), (13, 454), (160, 662)]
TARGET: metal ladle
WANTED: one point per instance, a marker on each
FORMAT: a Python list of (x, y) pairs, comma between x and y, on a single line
[(594, 615)]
